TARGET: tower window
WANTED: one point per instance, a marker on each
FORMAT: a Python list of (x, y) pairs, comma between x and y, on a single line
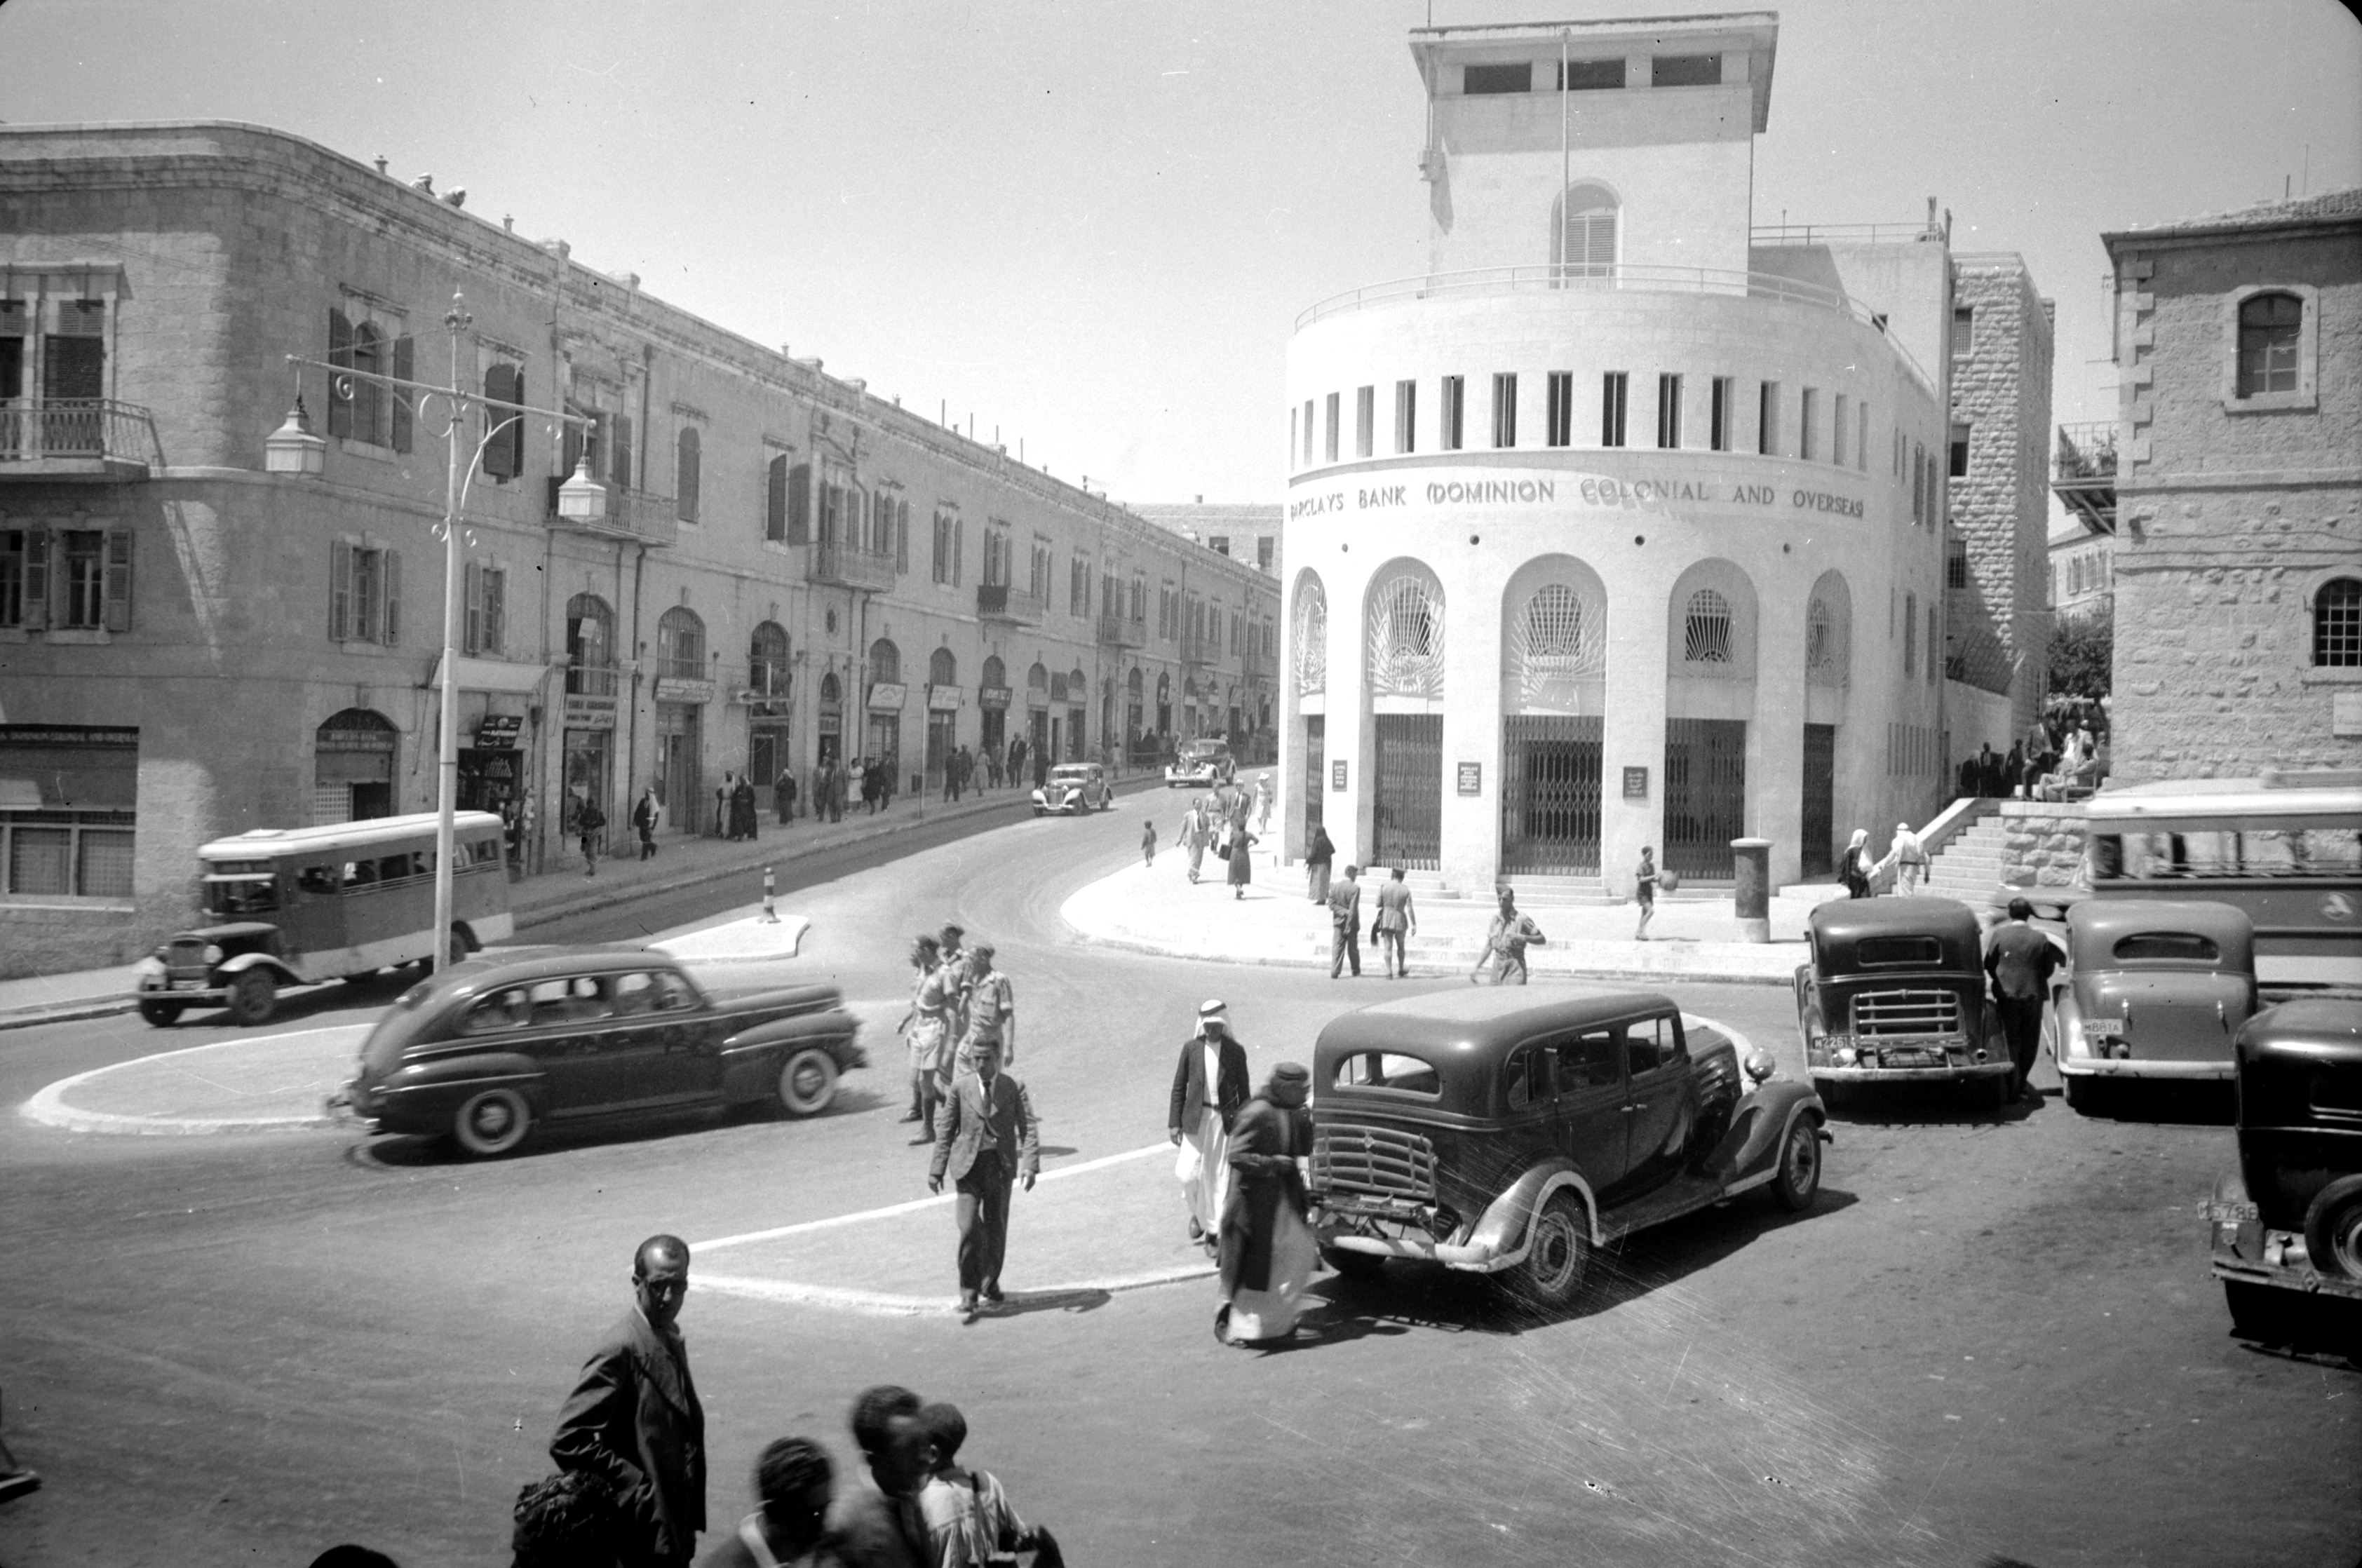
[(1685, 70), (1613, 387), (1478, 79)]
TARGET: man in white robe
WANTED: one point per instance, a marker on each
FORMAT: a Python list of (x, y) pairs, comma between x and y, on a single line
[(1209, 1086)]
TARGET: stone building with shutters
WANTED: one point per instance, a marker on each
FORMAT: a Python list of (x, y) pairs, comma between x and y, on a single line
[(1623, 525), (2237, 492), (786, 567)]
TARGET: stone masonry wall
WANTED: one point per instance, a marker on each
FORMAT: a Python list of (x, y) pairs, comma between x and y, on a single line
[(2042, 843), (1999, 625)]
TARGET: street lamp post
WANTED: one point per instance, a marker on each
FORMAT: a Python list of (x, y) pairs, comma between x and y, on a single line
[(294, 450)]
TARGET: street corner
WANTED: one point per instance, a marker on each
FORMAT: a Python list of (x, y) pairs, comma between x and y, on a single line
[(741, 942), (1085, 1232), (1156, 909), (277, 1083)]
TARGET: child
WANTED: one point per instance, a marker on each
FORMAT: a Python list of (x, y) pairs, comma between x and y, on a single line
[(967, 1515), (1148, 841)]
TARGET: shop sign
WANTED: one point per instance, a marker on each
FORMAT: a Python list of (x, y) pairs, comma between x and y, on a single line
[(1037, 697), (945, 699), (498, 732), (1636, 783), (1337, 775), (590, 713), (886, 696), (992, 696), (1472, 777), (679, 688)]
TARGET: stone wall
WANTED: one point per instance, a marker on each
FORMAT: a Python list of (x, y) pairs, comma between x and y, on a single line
[(2042, 844), (1997, 627)]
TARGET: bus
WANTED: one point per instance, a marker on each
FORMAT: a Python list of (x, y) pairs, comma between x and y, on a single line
[(2286, 848), (300, 906)]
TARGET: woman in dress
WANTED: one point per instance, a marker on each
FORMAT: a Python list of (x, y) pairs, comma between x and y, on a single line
[(1242, 867), (1318, 855), (1857, 868), (1267, 1250)]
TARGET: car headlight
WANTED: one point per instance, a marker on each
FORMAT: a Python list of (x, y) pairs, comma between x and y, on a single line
[(213, 954), (164, 954), (1846, 1056)]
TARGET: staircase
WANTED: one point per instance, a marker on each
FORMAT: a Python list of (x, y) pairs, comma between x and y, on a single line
[(1971, 866)]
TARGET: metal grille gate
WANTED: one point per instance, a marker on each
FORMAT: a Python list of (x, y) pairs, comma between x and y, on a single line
[(1315, 768), (1406, 828), (1550, 795), (1705, 795), (1818, 830)]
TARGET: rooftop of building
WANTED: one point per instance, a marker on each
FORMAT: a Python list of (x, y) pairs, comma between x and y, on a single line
[(2330, 207), (1244, 513), (1757, 32)]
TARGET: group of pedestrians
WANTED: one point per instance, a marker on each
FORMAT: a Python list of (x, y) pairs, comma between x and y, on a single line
[(1241, 1163), (734, 807), (1906, 856), (631, 1482), (1231, 819)]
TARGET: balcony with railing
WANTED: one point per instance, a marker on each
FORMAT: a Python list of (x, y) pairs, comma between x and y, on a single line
[(592, 680), (1122, 632), (92, 439), (839, 565), (1197, 648), (2083, 474), (632, 515), (999, 602)]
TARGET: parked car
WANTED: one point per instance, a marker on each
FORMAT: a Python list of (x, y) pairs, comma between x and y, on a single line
[(1201, 763), (1894, 992), (300, 906), (2288, 1216), (1513, 1132), (489, 1049), (2158, 989), (1076, 787)]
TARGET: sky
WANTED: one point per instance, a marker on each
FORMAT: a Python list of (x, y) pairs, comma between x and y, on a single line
[(1085, 226)]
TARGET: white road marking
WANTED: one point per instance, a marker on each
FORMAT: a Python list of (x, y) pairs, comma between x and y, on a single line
[(50, 1106), (914, 1205)]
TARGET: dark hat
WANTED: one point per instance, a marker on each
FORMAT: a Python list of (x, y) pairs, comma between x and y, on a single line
[(1291, 1073)]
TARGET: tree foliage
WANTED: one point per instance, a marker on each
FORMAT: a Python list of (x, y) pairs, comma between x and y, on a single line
[(2082, 654)]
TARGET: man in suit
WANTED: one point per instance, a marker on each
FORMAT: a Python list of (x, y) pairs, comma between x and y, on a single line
[(985, 1136), (1209, 1086), (2019, 963), (634, 1420), (1345, 916)]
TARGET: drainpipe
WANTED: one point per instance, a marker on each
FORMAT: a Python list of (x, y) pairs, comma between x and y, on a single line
[(632, 736)]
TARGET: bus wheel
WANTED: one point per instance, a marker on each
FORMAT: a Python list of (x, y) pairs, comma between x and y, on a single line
[(808, 1082), (492, 1122), (252, 996), (162, 1014)]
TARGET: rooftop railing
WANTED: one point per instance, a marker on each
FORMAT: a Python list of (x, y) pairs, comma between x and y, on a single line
[(1571, 278), (840, 564), (95, 433), (1843, 233)]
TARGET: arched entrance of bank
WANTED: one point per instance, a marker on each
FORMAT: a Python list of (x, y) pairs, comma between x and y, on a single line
[(1554, 694), (1710, 695), (1404, 641)]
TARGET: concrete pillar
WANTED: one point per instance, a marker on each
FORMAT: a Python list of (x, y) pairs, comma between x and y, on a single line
[(1775, 733), (1633, 732), (1471, 730)]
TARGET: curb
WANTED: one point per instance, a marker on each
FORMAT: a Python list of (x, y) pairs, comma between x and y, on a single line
[(49, 1108), (64, 1012), (1703, 977)]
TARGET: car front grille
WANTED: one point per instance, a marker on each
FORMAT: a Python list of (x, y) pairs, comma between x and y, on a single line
[(185, 957), (1374, 1160), (1906, 1012)]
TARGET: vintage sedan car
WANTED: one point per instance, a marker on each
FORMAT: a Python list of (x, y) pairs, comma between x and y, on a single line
[(1894, 992), (2159, 991), (2288, 1216), (1074, 788), (1513, 1132), (490, 1048), (1201, 763)]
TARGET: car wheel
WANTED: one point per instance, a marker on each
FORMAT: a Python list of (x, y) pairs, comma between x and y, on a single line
[(252, 996), (807, 1082), (1353, 1265), (492, 1122), (2333, 1228), (1557, 1254), (1798, 1180), (162, 1014)]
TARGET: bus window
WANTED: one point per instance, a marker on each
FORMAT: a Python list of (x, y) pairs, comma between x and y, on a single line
[(394, 867), (316, 881), (249, 894), (360, 873)]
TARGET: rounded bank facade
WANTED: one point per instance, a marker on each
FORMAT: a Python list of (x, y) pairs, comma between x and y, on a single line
[(1597, 551)]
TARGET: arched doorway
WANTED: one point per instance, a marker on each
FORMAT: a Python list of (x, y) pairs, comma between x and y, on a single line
[(881, 736), (768, 690), (942, 716), (832, 718), (683, 685), (1554, 702), (352, 777), (992, 703), (1404, 643)]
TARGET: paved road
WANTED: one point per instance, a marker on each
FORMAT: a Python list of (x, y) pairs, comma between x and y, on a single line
[(1995, 1336)]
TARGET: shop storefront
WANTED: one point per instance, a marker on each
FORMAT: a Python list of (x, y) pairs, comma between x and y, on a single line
[(992, 702), (943, 704), (352, 768), (491, 762), (589, 728), (832, 720), (882, 739)]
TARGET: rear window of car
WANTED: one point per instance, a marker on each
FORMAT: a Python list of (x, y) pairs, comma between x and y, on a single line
[(1391, 1070), (2187, 946), (1894, 951)]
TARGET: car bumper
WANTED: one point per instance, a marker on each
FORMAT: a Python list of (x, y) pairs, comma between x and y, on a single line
[(1474, 1257), (2305, 1279), (193, 993), (1949, 1072), (2145, 1067), (341, 1109)]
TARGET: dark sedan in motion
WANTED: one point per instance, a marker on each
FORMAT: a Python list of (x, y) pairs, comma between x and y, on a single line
[(488, 1048)]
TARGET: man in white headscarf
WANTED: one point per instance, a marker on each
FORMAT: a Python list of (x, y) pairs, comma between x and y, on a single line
[(1909, 860), (1210, 1086)]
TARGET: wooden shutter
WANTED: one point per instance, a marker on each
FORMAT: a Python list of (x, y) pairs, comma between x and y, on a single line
[(472, 596), (118, 580), (514, 437), (775, 505), (960, 546), (340, 591), (684, 475), (390, 572), (340, 352), (619, 460), (36, 578), (798, 483), (500, 392), (901, 536), (402, 359)]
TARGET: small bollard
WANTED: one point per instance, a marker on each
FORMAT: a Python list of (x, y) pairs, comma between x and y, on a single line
[(770, 915), (1752, 888)]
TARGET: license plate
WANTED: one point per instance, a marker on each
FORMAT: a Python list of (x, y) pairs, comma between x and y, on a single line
[(2233, 1213), (1839, 1042), (2103, 1027)]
